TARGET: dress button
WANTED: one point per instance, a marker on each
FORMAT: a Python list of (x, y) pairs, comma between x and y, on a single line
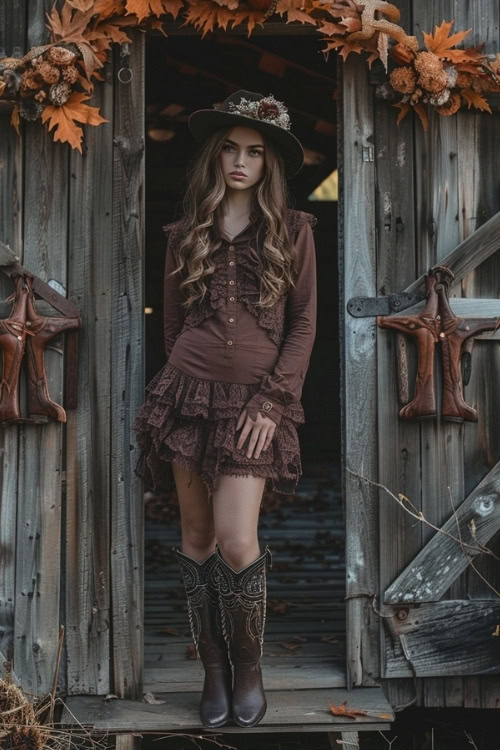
[(231, 320), (231, 282), (231, 247), (231, 299), (231, 262), (230, 343)]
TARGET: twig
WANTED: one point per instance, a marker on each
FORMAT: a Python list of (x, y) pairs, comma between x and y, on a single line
[(470, 740), (415, 513)]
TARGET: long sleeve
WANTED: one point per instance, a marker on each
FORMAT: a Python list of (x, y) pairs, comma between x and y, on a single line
[(284, 385), (173, 312)]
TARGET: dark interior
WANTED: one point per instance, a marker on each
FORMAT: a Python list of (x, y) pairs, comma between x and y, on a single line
[(306, 589)]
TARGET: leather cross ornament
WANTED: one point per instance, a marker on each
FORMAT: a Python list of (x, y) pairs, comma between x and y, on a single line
[(437, 323), (25, 332)]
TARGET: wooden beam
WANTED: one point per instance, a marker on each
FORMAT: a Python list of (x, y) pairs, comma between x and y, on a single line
[(473, 251), (288, 711), (453, 637), (442, 560)]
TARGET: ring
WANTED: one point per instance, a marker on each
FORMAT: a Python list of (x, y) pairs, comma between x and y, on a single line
[(127, 78)]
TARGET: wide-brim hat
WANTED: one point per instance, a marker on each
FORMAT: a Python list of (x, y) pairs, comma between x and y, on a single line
[(252, 110)]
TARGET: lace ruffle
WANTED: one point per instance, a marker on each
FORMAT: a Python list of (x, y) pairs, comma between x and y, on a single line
[(270, 319), (193, 422)]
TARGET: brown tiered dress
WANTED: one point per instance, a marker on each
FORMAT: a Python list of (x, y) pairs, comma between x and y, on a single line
[(227, 354)]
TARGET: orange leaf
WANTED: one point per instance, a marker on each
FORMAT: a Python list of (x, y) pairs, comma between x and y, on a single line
[(473, 99), (114, 32), (440, 42), (404, 109), (402, 54), (64, 119), (299, 15), (14, 118), (69, 23), (144, 8), (2, 87), (107, 8), (254, 17), (342, 710), (331, 28), (82, 5), (420, 110), (345, 47)]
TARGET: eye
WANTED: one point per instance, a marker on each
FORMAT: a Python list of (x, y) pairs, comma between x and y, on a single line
[(227, 147), (256, 151)]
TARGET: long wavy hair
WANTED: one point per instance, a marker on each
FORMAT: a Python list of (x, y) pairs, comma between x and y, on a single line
[(202, 209)]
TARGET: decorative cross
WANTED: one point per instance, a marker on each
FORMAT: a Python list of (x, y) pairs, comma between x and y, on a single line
[(26, 332), (437, 323)]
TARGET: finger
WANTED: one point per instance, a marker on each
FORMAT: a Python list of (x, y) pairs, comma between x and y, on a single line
[(261, 442), (253, 440), (244, 433), (241, 420), (268, 439)]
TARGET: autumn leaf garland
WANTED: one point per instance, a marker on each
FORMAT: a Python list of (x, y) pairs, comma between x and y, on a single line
[(53, 82)]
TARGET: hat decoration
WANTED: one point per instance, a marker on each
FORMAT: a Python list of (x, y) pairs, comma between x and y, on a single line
[(253, 110), (267, 109)]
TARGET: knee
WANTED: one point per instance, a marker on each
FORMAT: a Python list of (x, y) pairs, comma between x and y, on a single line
[(239, 551), (198, 539)]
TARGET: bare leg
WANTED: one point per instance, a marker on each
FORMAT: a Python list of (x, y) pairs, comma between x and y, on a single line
[(236, 514), (197, 521)]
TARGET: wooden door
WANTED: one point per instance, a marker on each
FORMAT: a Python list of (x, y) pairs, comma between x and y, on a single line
[(419, 615)]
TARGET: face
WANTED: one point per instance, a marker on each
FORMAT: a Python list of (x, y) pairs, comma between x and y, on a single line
[(242, 158)]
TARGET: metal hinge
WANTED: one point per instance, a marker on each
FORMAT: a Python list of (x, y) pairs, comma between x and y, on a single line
[(365, 307), (368, 153)]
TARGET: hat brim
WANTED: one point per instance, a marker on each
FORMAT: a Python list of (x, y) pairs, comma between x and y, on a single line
[(203, 122)]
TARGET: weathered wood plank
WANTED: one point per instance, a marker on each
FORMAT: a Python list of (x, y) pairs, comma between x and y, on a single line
[(357, 221), (87, 580), (286, 708), (442, 560), (470, 253), (12, 34), (37, 616), (398, 441), (127, 377), (453, 637)]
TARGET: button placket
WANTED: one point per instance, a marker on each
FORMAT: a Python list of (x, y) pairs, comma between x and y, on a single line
[(231, 301)]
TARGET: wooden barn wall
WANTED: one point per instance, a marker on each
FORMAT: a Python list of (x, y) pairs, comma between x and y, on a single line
[(70, 513), (433, 189)]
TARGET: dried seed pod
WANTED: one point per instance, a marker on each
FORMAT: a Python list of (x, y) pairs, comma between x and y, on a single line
[(403, 80), (432, 75), (59, 93), (50, 73), (438, 100), (61, 55), (70, 74)]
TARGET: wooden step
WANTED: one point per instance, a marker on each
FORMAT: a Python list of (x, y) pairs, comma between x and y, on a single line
[(288, 711)]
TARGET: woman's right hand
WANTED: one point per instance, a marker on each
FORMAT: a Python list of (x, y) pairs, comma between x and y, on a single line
[(261, 431)]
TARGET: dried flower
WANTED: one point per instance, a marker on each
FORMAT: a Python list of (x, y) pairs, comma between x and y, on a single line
[(452, 105), (49, 73), (30, 109), (452, 75), (41, 95), (416, 96), (403, 80), (29, 83), (432, 74), (61, 55), (59, 93), (267, 109), (437, 100), (70, 74)]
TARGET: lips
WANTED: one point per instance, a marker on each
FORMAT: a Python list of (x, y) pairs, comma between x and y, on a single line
[(237, 174)]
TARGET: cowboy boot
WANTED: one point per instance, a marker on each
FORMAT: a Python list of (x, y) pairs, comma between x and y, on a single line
[(243, 602), (43, 330), (206, 628), (13, 334)]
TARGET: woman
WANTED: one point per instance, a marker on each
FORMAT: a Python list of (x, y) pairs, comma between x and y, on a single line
[(239, 315)]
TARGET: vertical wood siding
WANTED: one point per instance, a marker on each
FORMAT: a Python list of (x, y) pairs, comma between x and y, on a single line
[(455, 191), (71, 511)]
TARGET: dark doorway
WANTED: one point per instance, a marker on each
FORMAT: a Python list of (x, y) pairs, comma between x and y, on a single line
[(305, 629)]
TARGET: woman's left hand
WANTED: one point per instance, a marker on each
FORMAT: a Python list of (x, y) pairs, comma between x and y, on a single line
[(261, 431)]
